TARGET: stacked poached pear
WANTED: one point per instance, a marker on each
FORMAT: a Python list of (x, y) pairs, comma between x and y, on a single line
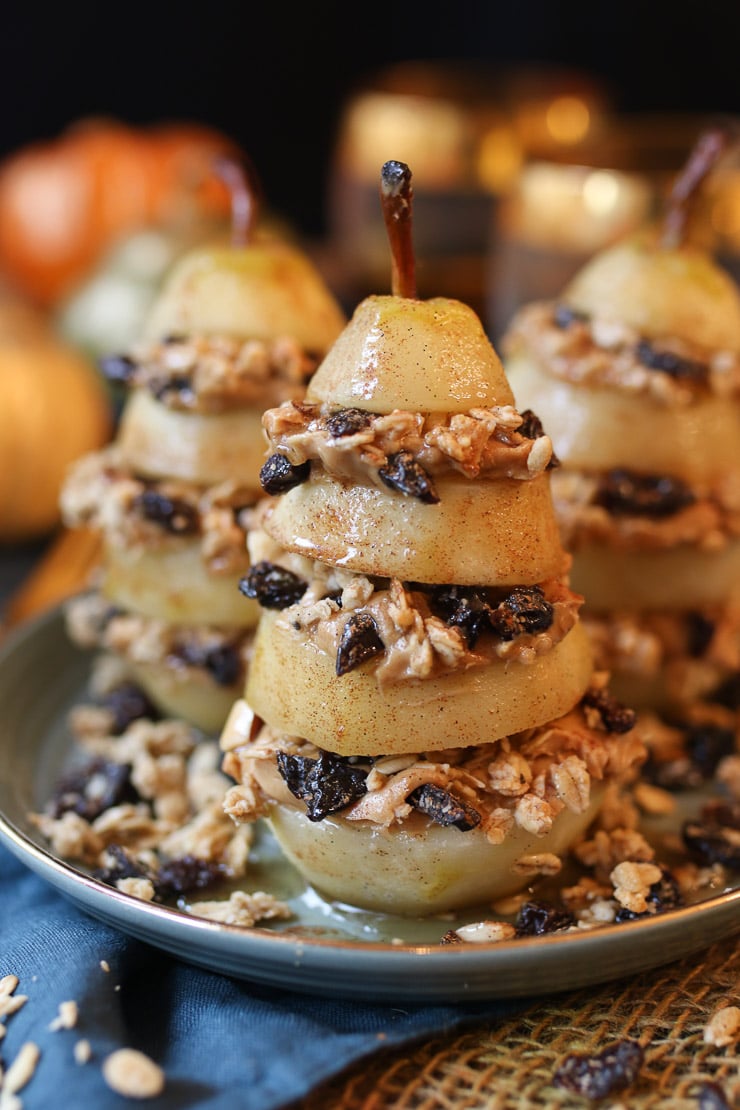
[(636, 374), (235, 329), (422, 727)]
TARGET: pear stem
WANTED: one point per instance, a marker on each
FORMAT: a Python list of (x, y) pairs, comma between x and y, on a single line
[(240, 179), (701, 161), (396, 195)]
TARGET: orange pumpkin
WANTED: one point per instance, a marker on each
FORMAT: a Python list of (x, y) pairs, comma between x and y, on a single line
[(63, 202), (54, 408)]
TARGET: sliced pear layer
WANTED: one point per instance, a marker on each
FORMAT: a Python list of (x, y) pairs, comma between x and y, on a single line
[(499, 530), (294, 686), (680, 293), (600, 428), (160, 442), (399, 353), (681, 578), (418, 870), (174, 585), (188, 694), (256, 292)]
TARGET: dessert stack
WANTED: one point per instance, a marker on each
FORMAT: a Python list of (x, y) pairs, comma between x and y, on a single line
[(236, 328), (635, 372), (421, 727)]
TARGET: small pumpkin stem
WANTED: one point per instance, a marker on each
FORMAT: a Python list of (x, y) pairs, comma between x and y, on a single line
[(241, 181), (701, 161), (396, 195)]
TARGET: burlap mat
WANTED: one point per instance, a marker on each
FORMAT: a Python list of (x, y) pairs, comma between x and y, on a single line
[(512, 1064)]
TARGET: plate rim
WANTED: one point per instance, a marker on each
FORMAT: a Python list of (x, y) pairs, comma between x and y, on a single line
[(280, 951)]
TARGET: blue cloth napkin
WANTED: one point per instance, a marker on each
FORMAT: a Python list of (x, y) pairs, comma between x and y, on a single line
[(223, 1043)]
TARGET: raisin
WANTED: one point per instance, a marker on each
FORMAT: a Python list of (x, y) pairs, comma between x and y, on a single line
[(706, 745), (710, 1096), (714, 839), (327, 784), (534, 919), (670, 363), (360, 641), (728, 693), (347, 422), (117, 369), (699, 632), (623, 493), (127, 703), (178, 876), (451, 937), (403, 473), (123, 867), (173, 513), (597, 1075), (221, 662), (564, 316), (278, 474), (272, 586), (663, 895), (615, 717), (524, 610), (180, 386), (531, 425), (91, 788), (443, 808), (466, 609)]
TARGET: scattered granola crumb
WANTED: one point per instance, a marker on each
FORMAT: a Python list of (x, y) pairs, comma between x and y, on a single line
[(130, 1073), (653, 799), (20, 1071), (105, 965), (723, 1027), (139, 888), (486, 932), (8, 983), (242, 908), (82, 1051), (66, 1018)]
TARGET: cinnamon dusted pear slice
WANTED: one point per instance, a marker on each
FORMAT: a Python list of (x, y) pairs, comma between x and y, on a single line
[(464, 707), (235, 329), (398, 357)]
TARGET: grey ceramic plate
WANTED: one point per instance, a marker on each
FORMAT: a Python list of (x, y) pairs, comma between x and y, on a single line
[(337, 952)]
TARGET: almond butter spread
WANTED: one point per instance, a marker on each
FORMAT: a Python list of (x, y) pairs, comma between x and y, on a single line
[(709, 518), (352, 444), (212, 373), (216, 654), (132, 512), (408, 618), (604, 352), (520, 781)]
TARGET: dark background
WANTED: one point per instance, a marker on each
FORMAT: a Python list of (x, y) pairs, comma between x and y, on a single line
[(275, 75)]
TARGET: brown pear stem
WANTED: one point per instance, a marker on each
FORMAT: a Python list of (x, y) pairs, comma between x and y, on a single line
[(240, 179), (701, 161), (396, 195)]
